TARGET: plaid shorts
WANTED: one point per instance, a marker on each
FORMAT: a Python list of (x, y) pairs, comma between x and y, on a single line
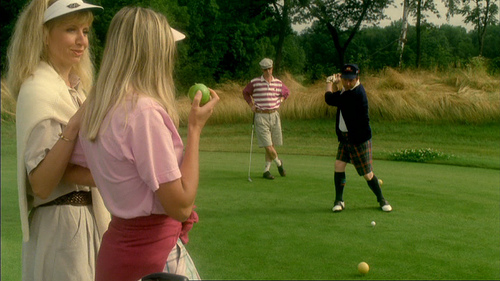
[(179, 262), (359, 155)]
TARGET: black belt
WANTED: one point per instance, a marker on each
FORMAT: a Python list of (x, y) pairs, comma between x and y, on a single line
[(75, 198)]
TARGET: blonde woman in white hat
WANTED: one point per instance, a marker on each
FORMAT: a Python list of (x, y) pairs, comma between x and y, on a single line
[(49, 72)]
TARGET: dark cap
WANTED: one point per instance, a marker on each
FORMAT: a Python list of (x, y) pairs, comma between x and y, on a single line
[(350, 71)]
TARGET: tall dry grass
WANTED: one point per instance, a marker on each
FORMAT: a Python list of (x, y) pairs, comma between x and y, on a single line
[(468, 96), (8, 104), (232, 108), (303, 103), (465, 96)]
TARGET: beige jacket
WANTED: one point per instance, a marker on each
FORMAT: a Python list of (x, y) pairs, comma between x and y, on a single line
[(44, 95)]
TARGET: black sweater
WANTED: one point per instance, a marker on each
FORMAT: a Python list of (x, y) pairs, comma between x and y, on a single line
[(354, 107)]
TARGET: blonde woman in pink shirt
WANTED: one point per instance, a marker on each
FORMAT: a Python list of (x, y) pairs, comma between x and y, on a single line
[(131, 145)]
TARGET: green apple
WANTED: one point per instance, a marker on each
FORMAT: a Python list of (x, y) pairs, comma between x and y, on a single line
[(204, 91)]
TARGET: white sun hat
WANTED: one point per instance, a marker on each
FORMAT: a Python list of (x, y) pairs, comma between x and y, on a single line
[(177, 35), (63, 7)]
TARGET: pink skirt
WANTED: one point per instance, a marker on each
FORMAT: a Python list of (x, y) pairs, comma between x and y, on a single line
[(134, 248)]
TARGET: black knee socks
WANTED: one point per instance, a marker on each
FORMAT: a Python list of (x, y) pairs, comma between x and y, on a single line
[(339, 179), (375, 187)]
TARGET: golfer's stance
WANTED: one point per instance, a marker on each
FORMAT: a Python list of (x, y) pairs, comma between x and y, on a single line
[(353, 131), (264, 95)]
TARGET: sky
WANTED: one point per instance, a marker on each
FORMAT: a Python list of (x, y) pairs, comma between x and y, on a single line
[(396, 13)]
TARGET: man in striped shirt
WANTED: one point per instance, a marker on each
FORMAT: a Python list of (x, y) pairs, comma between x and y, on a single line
[(264, 95)]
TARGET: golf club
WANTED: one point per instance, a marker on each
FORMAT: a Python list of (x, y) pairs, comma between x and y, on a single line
[(251, 147)]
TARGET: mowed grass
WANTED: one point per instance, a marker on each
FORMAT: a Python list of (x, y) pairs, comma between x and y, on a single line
[(469, 145), (445, 223), (10, 223)]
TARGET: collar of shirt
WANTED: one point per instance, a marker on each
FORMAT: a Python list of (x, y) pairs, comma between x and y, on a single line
[(74, 81), (343, 89), (264, 79)]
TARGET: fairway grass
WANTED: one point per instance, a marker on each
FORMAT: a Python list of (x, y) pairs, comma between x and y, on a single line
[(445, 223), (466, 145)]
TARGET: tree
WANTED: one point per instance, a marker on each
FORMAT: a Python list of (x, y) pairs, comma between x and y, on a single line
[(203, 47), (375, 47), (481, 13), (294, 57), (176, 15), (404, 29), (226, 39), (9, 11), (438, 53), (281, 13), (417, 7), (492, 41), (343, 17), (460, 43), (318, 47)]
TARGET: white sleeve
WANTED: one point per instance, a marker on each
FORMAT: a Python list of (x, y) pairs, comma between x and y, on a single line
[(41, 140)]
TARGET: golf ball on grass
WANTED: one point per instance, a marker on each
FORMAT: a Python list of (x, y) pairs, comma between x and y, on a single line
[(363, 268), (373, 223), (204, 91)]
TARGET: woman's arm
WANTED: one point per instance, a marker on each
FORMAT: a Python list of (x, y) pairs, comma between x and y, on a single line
[(76, 174), (177, 197), (50, 171)]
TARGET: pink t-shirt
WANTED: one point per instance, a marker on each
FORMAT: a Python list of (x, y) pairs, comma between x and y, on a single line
[(132, 155)]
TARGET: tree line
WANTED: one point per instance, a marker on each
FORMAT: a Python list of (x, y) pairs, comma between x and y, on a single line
[(226, 39)]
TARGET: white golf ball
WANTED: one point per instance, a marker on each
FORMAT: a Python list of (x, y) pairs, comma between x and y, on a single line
[(373, 223)]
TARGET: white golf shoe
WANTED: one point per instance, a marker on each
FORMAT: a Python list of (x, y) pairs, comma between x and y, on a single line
[(384, 205), (338, 206)]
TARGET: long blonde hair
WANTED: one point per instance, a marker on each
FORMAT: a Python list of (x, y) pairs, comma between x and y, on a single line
[(27, 48), (138, 58)]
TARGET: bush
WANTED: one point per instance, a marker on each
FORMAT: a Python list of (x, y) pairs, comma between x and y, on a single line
[(418, 155), (494, 67)]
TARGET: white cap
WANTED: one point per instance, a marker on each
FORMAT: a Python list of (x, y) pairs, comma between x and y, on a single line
[(63, 7), (266, 63)]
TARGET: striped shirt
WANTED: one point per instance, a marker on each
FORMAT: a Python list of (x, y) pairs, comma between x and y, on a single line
[(265, 95)]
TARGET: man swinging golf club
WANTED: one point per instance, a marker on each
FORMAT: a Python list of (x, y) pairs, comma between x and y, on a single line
[(264, 95), (353, 131)]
